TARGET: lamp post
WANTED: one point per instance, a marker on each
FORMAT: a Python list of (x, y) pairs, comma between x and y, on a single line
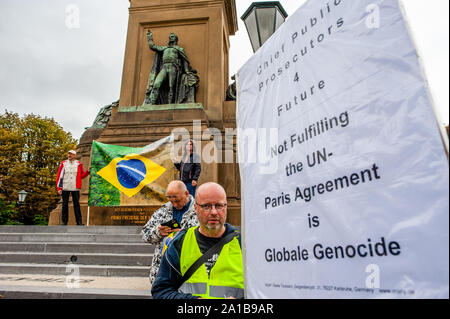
[(22, 195), (262, 19)]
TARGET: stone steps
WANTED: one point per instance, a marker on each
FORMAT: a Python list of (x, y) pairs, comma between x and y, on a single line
[(105, 253), (78, 258), (84, 270), (33, 292), (119, 248), (69, 237), (71, 229)]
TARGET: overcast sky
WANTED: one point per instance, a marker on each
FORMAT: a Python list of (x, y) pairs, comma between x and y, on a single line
[(55, 65)]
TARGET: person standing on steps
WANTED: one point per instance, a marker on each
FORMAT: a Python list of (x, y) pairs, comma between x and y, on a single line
[(190, 167), (68, 181)]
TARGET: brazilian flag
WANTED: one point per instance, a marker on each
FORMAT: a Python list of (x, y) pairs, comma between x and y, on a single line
[(130, 176)]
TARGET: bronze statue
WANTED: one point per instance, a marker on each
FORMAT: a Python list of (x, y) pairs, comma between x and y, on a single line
[(172, 80), (231, 90), (104, 115)]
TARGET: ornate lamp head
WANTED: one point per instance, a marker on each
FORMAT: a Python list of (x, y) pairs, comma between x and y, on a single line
[(262, 19)]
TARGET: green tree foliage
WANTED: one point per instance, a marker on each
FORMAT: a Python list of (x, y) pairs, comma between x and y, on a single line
[(7, 213), (31, 149)]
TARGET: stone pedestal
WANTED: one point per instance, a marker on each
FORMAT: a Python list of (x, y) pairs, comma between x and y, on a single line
[(203, 28)]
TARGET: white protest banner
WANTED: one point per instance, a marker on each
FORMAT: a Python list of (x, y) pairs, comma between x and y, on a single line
[(345, 180)]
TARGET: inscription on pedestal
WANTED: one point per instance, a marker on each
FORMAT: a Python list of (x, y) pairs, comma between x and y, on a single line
[(121, 215), (130, 215)]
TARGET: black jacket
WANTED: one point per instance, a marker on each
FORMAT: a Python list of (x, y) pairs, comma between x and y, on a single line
[(191, 168)]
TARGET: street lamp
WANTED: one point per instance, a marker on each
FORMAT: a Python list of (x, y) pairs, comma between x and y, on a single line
[(262, 19), (22, 195)]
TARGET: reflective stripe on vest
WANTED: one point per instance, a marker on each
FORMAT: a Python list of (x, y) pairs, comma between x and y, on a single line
[(194, 288), (224, 292), (226, 276), (200, 288)]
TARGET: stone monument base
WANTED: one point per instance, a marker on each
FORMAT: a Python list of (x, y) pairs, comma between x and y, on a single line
[(126, 215), (139, 126), (162, 107)]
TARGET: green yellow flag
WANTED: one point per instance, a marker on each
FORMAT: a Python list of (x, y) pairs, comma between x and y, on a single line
[(129, 176)]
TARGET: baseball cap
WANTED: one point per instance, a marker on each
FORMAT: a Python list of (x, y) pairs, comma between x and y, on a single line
[(72, 152)]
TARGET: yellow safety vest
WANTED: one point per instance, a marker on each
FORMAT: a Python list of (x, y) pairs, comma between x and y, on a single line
[(226, 278)]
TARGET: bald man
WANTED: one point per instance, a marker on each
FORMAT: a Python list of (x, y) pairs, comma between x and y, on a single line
[(214, 247), (179, 209), (212, 221)]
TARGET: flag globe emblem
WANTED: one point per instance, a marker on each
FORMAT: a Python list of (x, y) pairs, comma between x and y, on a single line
[(130, 172)]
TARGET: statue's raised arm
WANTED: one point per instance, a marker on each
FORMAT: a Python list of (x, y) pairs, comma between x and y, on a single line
[(150, 38), (151, 44)]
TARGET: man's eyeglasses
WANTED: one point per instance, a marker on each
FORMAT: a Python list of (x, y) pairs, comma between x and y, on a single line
[(208, 207)]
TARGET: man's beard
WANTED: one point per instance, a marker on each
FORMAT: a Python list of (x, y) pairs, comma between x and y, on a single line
[(215, 227)]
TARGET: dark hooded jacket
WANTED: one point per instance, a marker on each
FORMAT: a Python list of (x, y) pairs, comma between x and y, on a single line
[(189, 167)]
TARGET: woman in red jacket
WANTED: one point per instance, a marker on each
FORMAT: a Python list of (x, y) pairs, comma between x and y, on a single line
[(68, 181)]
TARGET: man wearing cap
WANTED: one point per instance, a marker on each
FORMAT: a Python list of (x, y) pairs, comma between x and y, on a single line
[(68, 181)]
